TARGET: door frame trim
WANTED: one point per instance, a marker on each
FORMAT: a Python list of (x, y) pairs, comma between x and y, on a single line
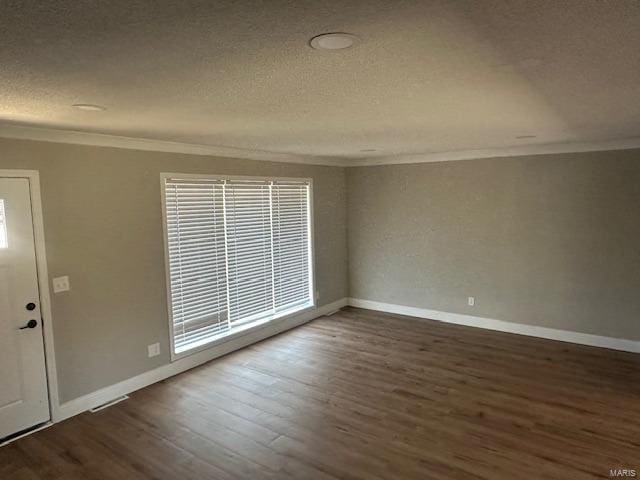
[(33, 176)]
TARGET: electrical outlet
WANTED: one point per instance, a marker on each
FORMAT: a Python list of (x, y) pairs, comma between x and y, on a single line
[(153, 350), (61, 284), (471, 301)]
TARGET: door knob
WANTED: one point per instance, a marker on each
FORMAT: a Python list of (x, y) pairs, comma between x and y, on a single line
[(30, 324)]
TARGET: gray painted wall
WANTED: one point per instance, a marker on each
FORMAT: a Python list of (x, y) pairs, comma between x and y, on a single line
[(103, 228), (543, 240)]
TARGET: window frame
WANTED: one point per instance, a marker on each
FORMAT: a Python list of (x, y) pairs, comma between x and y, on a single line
[(4, 231), (252, 326)]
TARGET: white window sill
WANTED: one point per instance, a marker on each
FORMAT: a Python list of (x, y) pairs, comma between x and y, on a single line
[(240, 330)]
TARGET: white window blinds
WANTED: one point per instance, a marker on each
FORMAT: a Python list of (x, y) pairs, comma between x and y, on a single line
[(197, 260), (239, 252), (290, 244), (249, 250)]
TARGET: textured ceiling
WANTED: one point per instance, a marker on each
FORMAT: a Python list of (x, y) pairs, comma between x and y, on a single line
[(426, 76)]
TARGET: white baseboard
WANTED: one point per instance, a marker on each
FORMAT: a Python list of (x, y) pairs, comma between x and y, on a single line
[(104, 395), (502, 326), (25, 434)]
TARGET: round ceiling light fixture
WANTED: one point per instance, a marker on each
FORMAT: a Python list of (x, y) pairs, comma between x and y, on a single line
[(87, 107), (333, 41)]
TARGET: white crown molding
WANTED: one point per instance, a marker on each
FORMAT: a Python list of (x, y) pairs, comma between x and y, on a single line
[(517, 151), (75, 137), (501, 325), (132, 143)]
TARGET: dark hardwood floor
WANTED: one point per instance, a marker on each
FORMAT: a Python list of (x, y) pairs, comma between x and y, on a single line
[(362, 395)]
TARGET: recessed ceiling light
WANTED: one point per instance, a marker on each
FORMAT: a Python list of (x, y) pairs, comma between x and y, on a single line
[(521, 137), (333, 41), (87, 107)]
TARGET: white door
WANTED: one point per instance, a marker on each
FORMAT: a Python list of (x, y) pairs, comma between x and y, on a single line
[(23, 380)]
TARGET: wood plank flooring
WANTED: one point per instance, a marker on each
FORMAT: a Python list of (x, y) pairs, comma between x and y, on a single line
[(362, 395)]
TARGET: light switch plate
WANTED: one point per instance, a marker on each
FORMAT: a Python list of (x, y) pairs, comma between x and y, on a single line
[(61, 284), (153, 350)]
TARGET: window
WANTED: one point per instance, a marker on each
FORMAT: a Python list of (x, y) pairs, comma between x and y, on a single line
[(238, 254), (3, 226)]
